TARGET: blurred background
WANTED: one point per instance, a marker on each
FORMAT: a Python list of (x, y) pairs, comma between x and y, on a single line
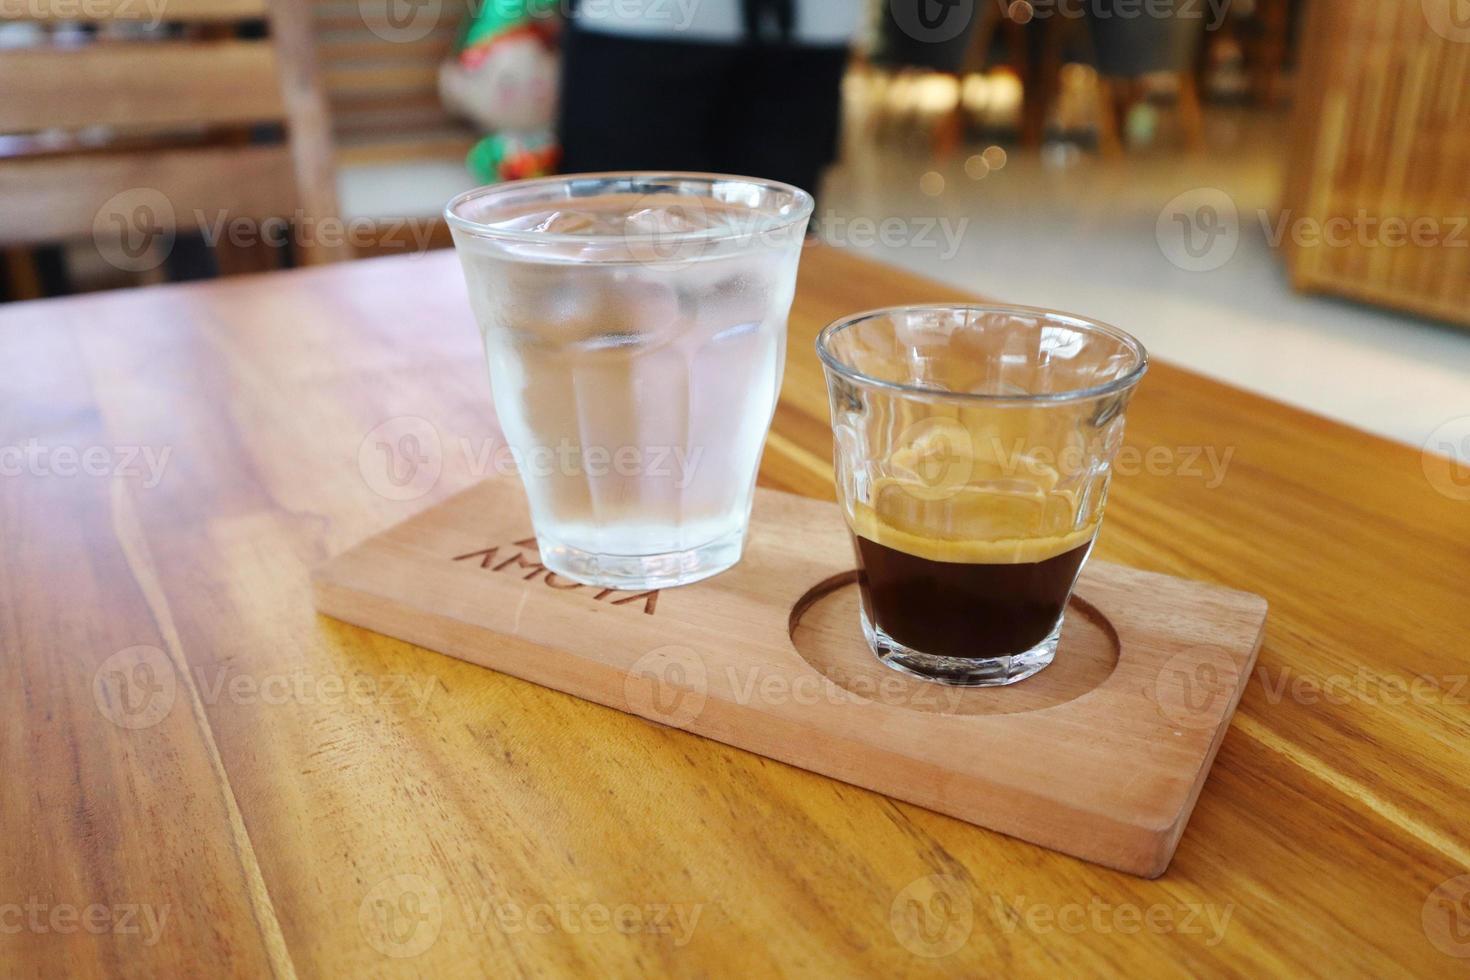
[(1273, 192)]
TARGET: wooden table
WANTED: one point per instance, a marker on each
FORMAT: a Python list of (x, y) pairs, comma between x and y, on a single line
[(201, 775)]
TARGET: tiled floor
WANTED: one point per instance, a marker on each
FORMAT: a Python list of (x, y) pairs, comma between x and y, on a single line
[(1071, 231), (1084, 235)]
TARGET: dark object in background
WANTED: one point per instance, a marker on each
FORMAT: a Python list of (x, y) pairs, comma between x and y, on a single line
[(753, 87), (767, 110), (32, 273), (932, 34), (1129, 41)]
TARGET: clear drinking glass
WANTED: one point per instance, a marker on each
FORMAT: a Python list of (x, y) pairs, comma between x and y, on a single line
[(635, 328), (973, 447)]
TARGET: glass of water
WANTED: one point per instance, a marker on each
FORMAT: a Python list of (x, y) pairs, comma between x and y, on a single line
[(635, 328)]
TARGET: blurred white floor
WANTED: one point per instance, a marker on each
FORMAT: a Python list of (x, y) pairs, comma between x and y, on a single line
[(1078, 233)]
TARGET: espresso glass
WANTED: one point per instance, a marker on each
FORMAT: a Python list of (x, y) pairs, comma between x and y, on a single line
[(973, 447)]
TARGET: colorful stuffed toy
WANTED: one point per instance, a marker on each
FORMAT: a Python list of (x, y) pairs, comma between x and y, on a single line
[(504, 79)]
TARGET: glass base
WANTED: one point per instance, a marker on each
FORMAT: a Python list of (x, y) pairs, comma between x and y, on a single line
[(639, 573), (962, 671)]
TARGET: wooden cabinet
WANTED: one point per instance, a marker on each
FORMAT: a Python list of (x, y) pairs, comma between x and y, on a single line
[(1377, 202)]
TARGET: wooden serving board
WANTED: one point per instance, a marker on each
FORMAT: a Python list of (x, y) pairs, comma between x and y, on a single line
[(1102, 755)]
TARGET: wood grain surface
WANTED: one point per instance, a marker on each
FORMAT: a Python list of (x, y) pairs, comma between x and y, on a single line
[(186, 743), (140, 84), (1101, 756)]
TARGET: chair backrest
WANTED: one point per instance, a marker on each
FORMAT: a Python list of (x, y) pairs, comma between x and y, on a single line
[(163, 100), (381, 78)]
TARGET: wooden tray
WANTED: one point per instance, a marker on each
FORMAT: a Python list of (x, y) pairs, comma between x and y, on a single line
[(1101, 755)]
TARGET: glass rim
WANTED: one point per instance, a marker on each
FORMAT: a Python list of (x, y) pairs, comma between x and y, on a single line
[(1087, 324), (802, 210)]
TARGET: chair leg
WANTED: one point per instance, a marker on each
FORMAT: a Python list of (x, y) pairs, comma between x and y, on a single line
[(1269, 52), (238, 259), (22, 278), (1109, 144), (1191, 116), (949, 130), (1037, 55)]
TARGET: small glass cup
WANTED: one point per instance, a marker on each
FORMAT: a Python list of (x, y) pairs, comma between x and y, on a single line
[(635, 329), (973, 447)]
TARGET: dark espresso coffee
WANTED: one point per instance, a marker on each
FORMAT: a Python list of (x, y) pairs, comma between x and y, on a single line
[(954, 599)]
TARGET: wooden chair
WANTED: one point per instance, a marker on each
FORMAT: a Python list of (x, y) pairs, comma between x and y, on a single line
[(1170, 48), (100, 126), (383, 90)]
